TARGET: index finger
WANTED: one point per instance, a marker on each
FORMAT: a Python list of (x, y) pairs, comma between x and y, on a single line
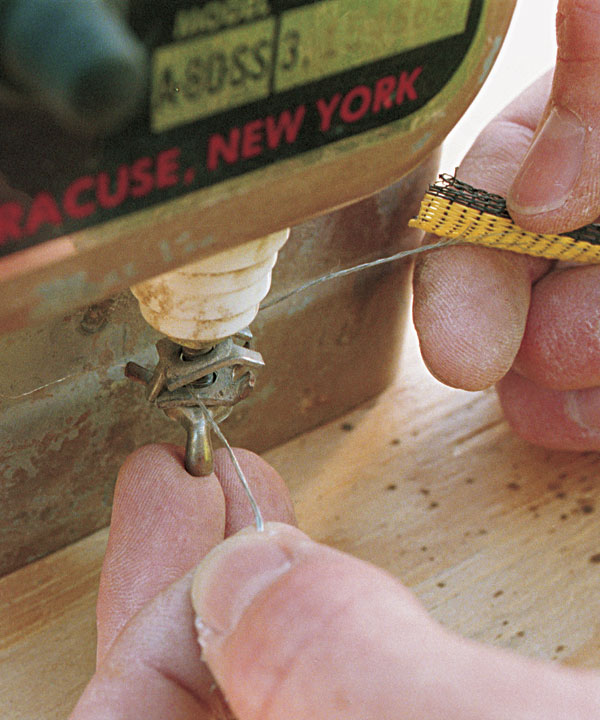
[(471, 304)]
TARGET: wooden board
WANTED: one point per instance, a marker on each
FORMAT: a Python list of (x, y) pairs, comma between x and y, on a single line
[(499, 539)]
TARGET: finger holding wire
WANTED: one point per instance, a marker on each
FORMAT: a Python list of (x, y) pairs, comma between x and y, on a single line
[(471, 303)]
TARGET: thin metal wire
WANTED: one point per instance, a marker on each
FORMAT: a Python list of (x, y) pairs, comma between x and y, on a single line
[(268, 303), (354, 269), (258, 518), (46, 385)]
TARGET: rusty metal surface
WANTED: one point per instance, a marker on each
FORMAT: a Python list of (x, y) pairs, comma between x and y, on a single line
[(89, 265), (68, 416)]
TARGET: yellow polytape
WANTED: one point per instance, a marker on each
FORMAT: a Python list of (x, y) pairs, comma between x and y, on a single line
[(450, 219)]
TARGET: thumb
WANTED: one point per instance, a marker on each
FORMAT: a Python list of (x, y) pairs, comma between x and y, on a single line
[(293, 630), (557, 188)]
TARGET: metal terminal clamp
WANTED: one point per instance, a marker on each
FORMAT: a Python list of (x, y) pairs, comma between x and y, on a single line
[(188, 382)]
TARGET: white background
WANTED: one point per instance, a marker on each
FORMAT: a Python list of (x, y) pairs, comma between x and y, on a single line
[(528, 51)]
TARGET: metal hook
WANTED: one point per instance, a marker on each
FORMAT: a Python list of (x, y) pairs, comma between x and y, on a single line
[(198, 446)]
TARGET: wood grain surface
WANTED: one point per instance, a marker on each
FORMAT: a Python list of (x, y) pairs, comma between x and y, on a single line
[(500, 540)]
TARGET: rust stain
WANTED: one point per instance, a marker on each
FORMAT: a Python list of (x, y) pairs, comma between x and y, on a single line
[(59, 461)]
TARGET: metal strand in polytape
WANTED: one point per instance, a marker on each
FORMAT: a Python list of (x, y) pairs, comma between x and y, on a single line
[(455, 210)]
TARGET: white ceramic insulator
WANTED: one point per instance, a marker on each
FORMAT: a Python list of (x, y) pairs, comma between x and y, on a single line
[(212, 298)]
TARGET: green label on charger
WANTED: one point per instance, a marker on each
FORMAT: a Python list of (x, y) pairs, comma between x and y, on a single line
[(205, 75), (234, 86)]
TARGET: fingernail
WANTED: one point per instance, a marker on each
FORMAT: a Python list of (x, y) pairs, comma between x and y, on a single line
[(231, 576), (551, 167), (583, 407)]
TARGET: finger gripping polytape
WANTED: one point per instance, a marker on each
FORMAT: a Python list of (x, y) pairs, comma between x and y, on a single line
[(458, 211)]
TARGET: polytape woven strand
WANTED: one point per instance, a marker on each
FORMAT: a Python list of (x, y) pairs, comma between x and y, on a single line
[(457, 211)]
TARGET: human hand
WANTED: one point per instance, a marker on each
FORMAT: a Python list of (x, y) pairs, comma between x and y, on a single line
[(486, 317), (290, 629)]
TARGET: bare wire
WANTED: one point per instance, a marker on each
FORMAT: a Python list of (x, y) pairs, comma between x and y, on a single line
[(271, 302), (258, 518), (45, 386), (354, 269)]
